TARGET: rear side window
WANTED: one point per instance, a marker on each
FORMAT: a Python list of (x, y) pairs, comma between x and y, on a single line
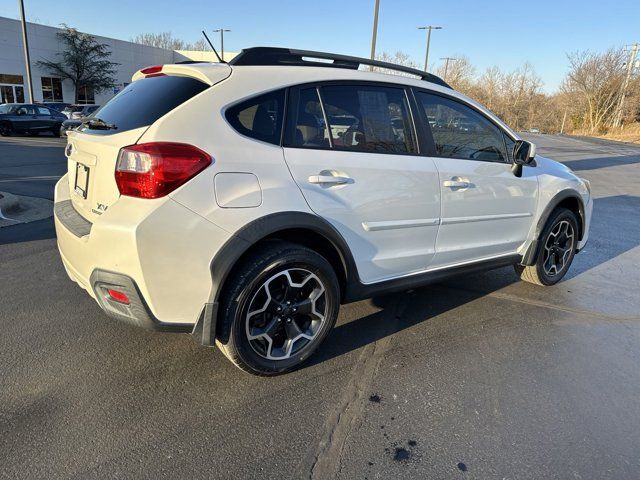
[(144, 101), (310, 129), (260, 117), (369, 118)]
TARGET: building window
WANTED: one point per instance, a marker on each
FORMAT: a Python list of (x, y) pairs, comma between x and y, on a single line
[(85, 96), (51, 89), (13, 79)]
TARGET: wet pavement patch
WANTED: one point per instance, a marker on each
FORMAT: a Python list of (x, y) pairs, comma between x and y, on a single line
[(412, 443), (462, 467), (401, 455), (375, 398)]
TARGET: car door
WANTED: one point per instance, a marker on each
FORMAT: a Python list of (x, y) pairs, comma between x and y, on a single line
[(24, 118), (45, 118), (487, 211), (352, 151)]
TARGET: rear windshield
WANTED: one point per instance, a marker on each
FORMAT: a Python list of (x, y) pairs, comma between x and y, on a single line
[(144, 101)]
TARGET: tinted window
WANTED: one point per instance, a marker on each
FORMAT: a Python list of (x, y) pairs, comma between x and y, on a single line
[(308, 121), (368, 118), (144, 101), (259, 117), (461, 132)]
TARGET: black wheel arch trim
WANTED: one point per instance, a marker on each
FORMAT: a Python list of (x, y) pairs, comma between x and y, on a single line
[(530, 256), (223, 262)]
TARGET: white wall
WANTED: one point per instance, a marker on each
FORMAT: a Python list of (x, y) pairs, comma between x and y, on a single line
[(44, 45)]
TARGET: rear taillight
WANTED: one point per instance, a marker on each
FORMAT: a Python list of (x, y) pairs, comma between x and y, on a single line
[(152, 170)]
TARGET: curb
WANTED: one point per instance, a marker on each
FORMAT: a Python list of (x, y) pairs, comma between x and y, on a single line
[(8, 202)]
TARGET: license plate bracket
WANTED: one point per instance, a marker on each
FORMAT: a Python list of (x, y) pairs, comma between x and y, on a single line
[(82, 180)]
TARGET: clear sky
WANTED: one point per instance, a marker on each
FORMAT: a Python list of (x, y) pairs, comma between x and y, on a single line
[(500, 32)]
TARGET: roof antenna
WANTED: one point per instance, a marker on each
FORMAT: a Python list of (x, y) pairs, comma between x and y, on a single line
[(212, 47)]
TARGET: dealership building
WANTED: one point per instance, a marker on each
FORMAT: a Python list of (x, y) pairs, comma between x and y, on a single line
[(45, 45)]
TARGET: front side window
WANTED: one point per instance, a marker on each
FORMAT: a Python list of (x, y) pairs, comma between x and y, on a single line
[(51, 89), (461, 132), (368, 118), (43, 111), (260, 117)]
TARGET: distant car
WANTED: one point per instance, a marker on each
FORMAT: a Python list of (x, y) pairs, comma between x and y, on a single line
[(70, 124), (534, 130), (79, 111), (59, 106), (30, 119)]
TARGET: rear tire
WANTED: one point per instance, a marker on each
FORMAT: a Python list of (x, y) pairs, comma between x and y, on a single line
[(557, 247), (279, 305), (5, 129)]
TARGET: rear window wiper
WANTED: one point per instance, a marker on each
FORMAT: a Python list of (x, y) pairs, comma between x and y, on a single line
[(95, 123)]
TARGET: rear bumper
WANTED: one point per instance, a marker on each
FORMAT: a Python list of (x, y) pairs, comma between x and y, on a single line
[(157, 252)]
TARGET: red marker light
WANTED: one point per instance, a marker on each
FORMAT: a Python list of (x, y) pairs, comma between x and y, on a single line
[(118, 296)]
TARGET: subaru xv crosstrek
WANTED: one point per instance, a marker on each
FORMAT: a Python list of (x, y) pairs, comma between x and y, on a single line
[(244, 202)]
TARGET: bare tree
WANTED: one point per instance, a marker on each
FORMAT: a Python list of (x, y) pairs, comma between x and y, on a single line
[(399, 58), (460, 73), (167, 41), (595, 81), (84, 61)]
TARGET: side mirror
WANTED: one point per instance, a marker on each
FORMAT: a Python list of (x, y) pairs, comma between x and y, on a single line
[(524, 153)]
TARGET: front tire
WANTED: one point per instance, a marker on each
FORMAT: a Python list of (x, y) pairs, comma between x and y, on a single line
[(558, 242), (277, 309)]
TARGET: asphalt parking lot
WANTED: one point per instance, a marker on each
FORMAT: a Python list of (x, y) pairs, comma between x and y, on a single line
[(478, 377)]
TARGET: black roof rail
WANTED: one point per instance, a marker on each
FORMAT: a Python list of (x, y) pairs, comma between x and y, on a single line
[(290, 56)]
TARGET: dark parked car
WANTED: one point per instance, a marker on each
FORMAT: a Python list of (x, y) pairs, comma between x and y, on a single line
[(59, 106), (29, 118), (80, 111), (70, 124)]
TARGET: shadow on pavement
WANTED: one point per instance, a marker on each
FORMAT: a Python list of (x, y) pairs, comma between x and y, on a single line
[(601, 162), (28, 232)]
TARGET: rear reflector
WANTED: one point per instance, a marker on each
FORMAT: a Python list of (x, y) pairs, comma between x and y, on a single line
[(152, 170), (118, 296)]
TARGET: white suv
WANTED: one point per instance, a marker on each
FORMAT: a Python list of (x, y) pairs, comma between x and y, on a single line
[(244, 202)]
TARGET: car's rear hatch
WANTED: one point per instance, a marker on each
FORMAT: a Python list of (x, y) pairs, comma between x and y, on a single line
[(92, 151)]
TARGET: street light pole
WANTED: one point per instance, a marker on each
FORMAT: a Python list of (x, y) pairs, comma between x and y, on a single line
[(221, 30), (374, 34), (446, 65), (25, 43), (428, 28)]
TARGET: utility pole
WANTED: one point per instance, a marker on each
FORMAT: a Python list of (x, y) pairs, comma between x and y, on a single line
[(446, 65), (374, 34), (221, 30), (564, 119), (428, 28), (25, 43), (623, 93)]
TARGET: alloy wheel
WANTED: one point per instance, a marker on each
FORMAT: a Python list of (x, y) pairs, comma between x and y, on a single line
[(286, 314), (558, 248)]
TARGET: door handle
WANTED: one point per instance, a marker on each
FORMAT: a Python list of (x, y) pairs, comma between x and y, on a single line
[(327, 178), (457, 182)]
